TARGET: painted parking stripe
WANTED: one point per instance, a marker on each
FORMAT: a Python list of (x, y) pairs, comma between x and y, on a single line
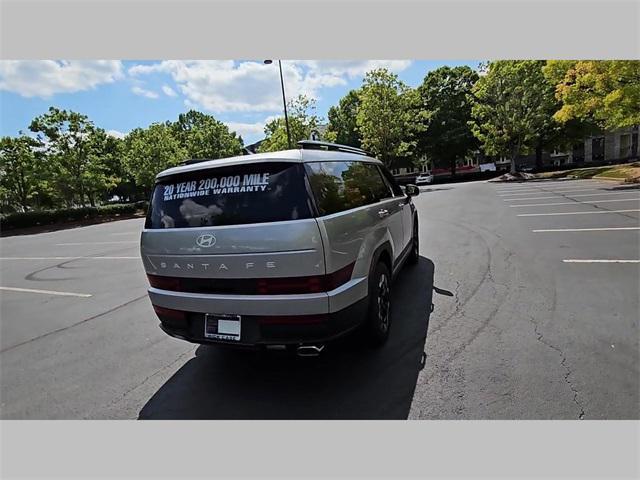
[(69, 258), (577, 202), (46, 292), (581, 260), (518, 190), (556, 196), (612, 229), (552, 191), (96, 243), (548, 184), (577, 213)]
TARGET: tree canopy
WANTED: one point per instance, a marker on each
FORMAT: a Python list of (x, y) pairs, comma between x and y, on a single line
[(149, 151), (511, 108), (302, 121), (606, 92), (384, 117), (202, 136), (445, 111), (343, 125)]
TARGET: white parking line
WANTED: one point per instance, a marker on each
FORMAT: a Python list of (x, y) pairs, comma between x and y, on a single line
[(69, 258), (96, 243), (551, 191), (586, 229), (517, 190), (126, 233), (556, 196), (576, 213), (580, 260), (577, 202), (570, 183), (46, 292)]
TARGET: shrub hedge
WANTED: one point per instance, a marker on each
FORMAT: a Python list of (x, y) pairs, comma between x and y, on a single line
[(48, 217)]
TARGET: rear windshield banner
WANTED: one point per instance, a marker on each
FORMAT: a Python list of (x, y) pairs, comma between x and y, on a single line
[(253, 182)]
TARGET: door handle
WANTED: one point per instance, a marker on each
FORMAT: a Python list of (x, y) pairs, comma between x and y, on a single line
[(402, 204), (383, 213)]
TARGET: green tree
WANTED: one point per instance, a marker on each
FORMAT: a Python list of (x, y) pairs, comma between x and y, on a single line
[(605, 92), (105, 167), (511, 109), (343, 126), (302, 121), (384, 117), (202, 136), (19, 171), (149, 151), (445, 104), (64, 136)]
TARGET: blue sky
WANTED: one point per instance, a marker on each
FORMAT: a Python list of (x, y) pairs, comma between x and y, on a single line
[(122, 95)]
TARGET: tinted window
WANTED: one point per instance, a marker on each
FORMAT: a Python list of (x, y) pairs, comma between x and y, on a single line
[(254, 193), (397, 191), (340, 186)]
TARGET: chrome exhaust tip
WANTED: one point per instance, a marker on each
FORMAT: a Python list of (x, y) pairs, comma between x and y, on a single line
[(309, 350)]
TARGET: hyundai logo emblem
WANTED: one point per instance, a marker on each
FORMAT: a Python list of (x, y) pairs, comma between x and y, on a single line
[(206, 240)]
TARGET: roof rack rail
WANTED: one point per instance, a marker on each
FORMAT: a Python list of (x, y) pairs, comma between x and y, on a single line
[(191, 161), (318, 145)]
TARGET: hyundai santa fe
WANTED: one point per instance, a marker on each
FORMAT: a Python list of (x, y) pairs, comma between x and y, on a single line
[(292, 248)]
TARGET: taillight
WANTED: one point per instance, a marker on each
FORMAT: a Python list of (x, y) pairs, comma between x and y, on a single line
[(259, 286), (293, 285), (339, 277), (312, 284)]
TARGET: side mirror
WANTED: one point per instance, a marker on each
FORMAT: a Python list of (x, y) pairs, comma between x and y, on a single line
[(412, 190)]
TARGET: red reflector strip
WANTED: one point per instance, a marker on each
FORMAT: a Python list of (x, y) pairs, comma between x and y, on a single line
[(165, 283), (170, 313), (293, 319)]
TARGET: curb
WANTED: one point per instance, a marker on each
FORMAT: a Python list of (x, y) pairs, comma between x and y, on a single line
[(613, 179)]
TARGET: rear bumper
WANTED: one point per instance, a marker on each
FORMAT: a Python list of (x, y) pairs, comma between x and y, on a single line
[(269, 319), (256, 333)]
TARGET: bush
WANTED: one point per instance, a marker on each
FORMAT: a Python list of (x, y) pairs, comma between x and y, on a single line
[(48, 217)]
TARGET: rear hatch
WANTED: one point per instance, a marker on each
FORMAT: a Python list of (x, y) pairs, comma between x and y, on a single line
[(230, 223)]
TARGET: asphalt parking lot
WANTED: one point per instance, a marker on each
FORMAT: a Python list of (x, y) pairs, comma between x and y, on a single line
[(533, 286)]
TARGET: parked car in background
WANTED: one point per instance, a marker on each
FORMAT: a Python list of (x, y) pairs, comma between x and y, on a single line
[(292, 248), (424, 178)]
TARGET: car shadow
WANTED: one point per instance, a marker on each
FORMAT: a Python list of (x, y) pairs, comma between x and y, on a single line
[(348, 381)]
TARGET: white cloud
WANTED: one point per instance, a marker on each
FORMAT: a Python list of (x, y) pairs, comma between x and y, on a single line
[(249, 130), (44, 78), (168, 91), (116, 134), (144, 93), (228, 86), (354, 68)]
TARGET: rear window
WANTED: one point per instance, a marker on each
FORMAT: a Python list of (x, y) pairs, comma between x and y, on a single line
[(253, 193)]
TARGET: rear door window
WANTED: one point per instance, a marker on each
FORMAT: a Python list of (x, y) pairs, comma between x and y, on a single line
[(340, 186), (242, 194)]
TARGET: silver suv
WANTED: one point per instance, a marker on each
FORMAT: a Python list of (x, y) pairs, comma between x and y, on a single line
[(291, 248)]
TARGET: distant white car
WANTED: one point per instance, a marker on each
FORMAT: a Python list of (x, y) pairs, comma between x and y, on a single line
[(424, 179)]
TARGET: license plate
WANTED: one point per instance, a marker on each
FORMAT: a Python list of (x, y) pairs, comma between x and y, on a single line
[(222, 327)]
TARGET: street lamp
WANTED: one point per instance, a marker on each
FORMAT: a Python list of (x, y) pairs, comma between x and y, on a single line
[(284, 101)]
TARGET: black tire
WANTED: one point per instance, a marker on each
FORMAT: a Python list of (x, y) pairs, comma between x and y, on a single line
[(414, 256), (379, 312)]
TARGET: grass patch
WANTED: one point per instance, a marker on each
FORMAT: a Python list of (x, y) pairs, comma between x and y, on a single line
[(629, 172)]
